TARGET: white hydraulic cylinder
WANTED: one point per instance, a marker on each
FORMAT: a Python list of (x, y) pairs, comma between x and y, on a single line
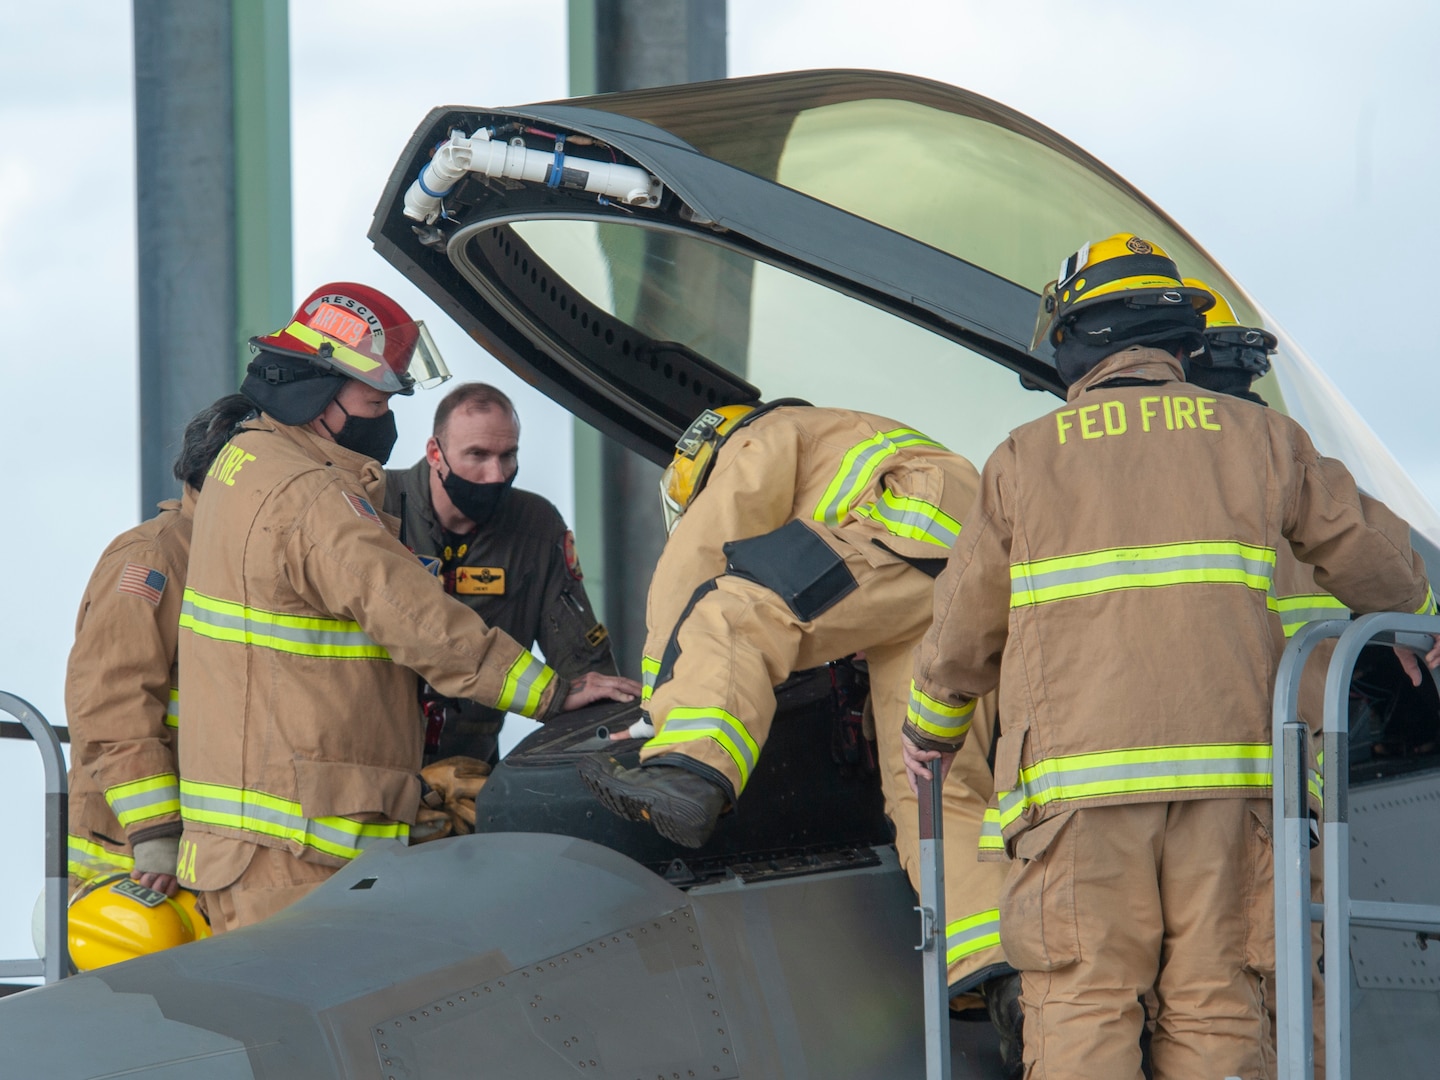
[(482, 155)]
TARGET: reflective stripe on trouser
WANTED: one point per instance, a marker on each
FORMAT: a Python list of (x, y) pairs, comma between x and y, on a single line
[(740, 640), (913, 519), (141, 800), (268, 815), (524, 685), (649, 669), (1107, 903), (303, 635), (1091, 573), (88, 859), (172, 709), (857, 469), (1155, 771), (972, 888)]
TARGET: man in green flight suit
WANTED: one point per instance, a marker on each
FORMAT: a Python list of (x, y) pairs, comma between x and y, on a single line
[(504, 552)]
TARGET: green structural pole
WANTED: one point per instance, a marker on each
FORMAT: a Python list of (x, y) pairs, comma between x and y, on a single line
[(589, 479), (628, 45), (212, 207), (264, 290)]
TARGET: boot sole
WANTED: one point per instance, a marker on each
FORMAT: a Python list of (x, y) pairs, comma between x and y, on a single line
[(679, 821)]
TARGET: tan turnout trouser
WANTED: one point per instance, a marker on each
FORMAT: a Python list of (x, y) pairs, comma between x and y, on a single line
[(273, 881), (1104, 904), (741, 640)]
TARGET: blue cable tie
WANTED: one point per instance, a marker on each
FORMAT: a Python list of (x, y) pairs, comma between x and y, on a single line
[(557, 170)]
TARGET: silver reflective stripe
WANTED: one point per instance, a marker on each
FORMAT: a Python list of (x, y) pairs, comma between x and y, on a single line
[(918, 521), (941, 722), (266, 629), (1047, 786), (223, 811), (970, 935), (129, 808), (701, 724), (833, 511), (1031, 582), (525, 681)]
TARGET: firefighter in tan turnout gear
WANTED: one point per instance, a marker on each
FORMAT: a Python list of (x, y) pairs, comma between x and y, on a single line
[(305, 621), (1235, 356), (801, 535), (121, 683), (1119, 559)]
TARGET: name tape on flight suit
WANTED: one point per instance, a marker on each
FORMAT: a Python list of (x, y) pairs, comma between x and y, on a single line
[(480, 580)]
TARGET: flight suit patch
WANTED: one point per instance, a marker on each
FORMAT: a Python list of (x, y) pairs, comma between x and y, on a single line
[(597, 635), (572, 561), (480, 580)]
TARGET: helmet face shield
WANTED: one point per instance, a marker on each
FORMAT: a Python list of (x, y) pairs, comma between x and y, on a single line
[(1045, 316), (427, 366)]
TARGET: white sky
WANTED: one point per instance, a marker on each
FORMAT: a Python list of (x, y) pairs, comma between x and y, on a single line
[(1299, 143)]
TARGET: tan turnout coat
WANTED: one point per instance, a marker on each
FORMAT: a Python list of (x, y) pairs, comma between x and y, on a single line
[(1131, 605), (121, 701), (303, 626)]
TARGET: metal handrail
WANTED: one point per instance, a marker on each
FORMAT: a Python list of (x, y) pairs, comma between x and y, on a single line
[(932, 945), (54, 964), (1293, 910)]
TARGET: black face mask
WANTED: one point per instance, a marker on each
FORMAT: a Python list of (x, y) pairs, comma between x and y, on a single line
[(373, 436), (478, 502)]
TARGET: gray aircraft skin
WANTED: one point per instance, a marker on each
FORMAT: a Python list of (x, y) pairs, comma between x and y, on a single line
[(561, 941)]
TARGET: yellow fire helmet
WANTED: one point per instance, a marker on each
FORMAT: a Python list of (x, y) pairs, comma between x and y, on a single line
[(115, 919), (1121, 267), (694, 457), (1223, 326)]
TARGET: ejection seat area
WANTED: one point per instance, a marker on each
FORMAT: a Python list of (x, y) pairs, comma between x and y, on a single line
[(813, 803)]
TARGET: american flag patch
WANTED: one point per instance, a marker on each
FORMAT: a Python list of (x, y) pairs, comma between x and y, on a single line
[(142, 581), (363, 508)]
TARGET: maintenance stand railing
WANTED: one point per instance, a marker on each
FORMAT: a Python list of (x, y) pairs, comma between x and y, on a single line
[(1294, 911), (54, 965)]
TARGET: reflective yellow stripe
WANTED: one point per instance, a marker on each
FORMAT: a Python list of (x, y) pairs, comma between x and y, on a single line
[(685, 725), (913, 519), (172, 710), (270, 815), (524, 685), (1147, 770), (649, 669), (342, 354), (1295, 611), (1317, 779), (140, 800), (858, 468), (990, 836), (972, 934), (87, 859), (1113, 569), (304, 635), (937, 718), (1427, 606)]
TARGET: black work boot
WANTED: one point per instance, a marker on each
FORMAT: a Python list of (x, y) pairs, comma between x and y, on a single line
[(682, 805), (1002, 1002)]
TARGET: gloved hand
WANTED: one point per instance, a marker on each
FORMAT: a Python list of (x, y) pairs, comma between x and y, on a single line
[(458, 780), (429, 825), (155, 864)]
